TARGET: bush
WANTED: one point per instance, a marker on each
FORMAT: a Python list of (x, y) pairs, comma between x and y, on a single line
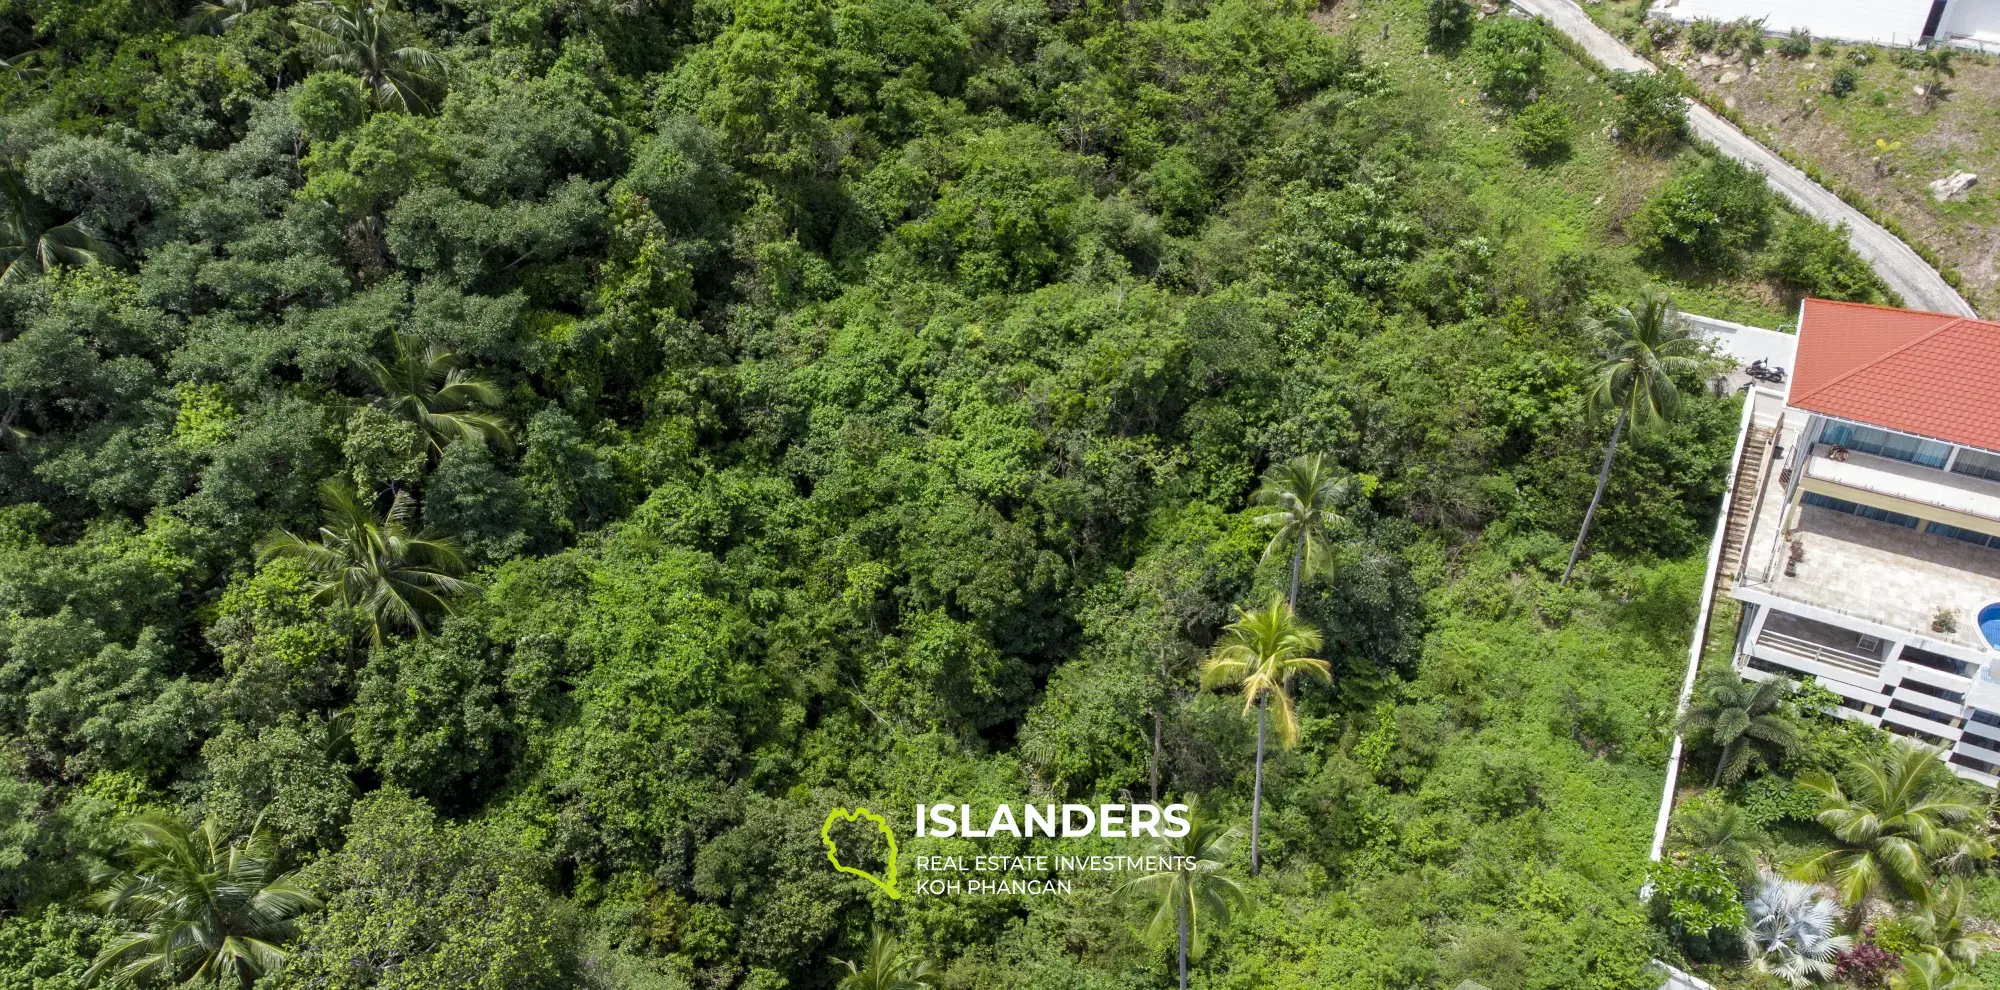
[(1705, 33), (1845, 80), (1707, 216), (1447, 20), (1861, 55), (1663, 31), (1797, 44), (1746, 36), (1696, 900), (1650, 111), (1813, 259), (1865, 965), (1511, 54), (1541, 132)]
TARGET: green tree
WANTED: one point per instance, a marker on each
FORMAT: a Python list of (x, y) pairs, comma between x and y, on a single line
[(1303, 496), (1645, 346), (1651, 112), (1940, 924), (202, 907), (884, 965), (432, 388), (1512, 55), (1447, 20), (1195, 893), (1926, 971), (1706, 216), (1748, 719), (32, 241), (1262, 650), (1710, 824), (1893, 817), (368, 39), (398, 578)]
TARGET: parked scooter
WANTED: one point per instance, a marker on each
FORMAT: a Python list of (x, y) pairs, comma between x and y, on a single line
[(1765, 373)]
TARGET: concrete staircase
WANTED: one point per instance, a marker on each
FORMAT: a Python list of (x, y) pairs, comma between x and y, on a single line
[(1743, 502)]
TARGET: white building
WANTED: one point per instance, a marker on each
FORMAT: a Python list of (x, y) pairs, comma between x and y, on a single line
[(1882, 22), (1864, 531)]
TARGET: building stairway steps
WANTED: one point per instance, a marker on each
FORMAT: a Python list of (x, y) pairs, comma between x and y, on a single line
[(1743, 502)]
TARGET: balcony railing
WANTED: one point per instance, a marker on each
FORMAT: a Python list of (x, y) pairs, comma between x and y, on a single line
[(1832, 656)]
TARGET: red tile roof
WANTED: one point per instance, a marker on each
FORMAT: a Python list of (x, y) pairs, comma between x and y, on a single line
[(1931, 374)]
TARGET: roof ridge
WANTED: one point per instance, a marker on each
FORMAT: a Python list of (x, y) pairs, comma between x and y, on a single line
[(1886, 355), (1891, 309)]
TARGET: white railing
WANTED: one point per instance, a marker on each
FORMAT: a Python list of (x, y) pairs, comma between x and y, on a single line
[(1806, 649)]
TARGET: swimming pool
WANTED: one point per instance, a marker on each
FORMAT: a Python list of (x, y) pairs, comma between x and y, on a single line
[(1989, 624)]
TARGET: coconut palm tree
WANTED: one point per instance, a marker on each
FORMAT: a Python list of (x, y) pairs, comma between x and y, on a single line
[(32, 241), (885, 966), (397, 577), (1302, 494), (1645, 346), (367, 40), (1194, 893), (216, 16), (1262, 650), (1789, 931), (1939, 924), (1746, 718), (1894, 816), (1929, 971), (200, 907), (429, 386), (1935, 63), (1710, 824)]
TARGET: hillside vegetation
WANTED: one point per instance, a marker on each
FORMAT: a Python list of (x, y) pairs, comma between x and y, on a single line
[(494, 474)]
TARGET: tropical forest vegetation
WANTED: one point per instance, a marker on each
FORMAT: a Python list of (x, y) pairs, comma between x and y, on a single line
[(480, 480)]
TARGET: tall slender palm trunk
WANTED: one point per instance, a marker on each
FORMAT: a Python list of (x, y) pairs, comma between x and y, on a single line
[(1720, 763), (1298, 561), (1603, 476), (1153, 780), (1257, 789), (1184, 941)]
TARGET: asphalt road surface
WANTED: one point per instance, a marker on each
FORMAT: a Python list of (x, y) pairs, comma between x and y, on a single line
[(1903, 269)]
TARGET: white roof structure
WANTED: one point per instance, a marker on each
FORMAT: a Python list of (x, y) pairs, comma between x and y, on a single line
[(1882, 22)]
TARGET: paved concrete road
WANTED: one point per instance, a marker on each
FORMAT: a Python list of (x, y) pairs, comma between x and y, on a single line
[(1902, 268)]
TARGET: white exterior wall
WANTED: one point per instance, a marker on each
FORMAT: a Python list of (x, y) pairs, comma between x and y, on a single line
[(1975, 20), (1882, 22)]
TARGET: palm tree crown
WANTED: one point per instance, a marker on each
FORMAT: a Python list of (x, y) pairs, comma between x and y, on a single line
[(1263, 650), (428, 385), (361, 559), (202, 907), (31, 241), (1746, 718), (364, 39), (1790, 931), (885, 966), (1195, 892), (1645, 346), (1301, 495), (1894, 817)]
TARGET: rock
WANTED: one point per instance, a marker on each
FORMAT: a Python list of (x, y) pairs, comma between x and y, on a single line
[(1919, 90), (1599, 201), (1729, 77), (1953, 187), (1809, 66), (1710, 61), (1489, 8), (1729, 101)]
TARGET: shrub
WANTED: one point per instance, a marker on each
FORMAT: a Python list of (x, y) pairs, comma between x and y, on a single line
[(1511, 54), (1861, 55), (1707, 216), (1448, 20), (1813, 259), (1746, 36), (1663, 31), (1865, 965), (1705, 33), (1695, 900), (1797, 44), (1845, 80), (1541, 132), (1650, 110)]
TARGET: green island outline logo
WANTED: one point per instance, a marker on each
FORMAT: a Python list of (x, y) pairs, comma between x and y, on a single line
[(832, 852)]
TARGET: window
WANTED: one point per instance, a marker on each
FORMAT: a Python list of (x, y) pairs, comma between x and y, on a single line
[(1984, 718), (1976, 764), (1899, 705), (1977, 464), (1936, 692), (1967, 535), (1984, 742), (1759, 663), (1901, 446), (1938, 661), (1904, 730), (1857, 509)]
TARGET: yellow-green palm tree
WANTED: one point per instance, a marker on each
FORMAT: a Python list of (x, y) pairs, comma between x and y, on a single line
[(1644, 347), (396, 577), (1195, 892), (201, 907), (1302, 495), (1940, 924), (370, 39), (885, 966), (429, 386), (1930, 971), (1894, 818), (1262, 651)]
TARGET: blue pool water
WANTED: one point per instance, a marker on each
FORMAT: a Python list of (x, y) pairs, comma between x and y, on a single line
[(1989, 624)]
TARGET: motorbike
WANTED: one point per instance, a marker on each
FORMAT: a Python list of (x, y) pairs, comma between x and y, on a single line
[(1764, 372)]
